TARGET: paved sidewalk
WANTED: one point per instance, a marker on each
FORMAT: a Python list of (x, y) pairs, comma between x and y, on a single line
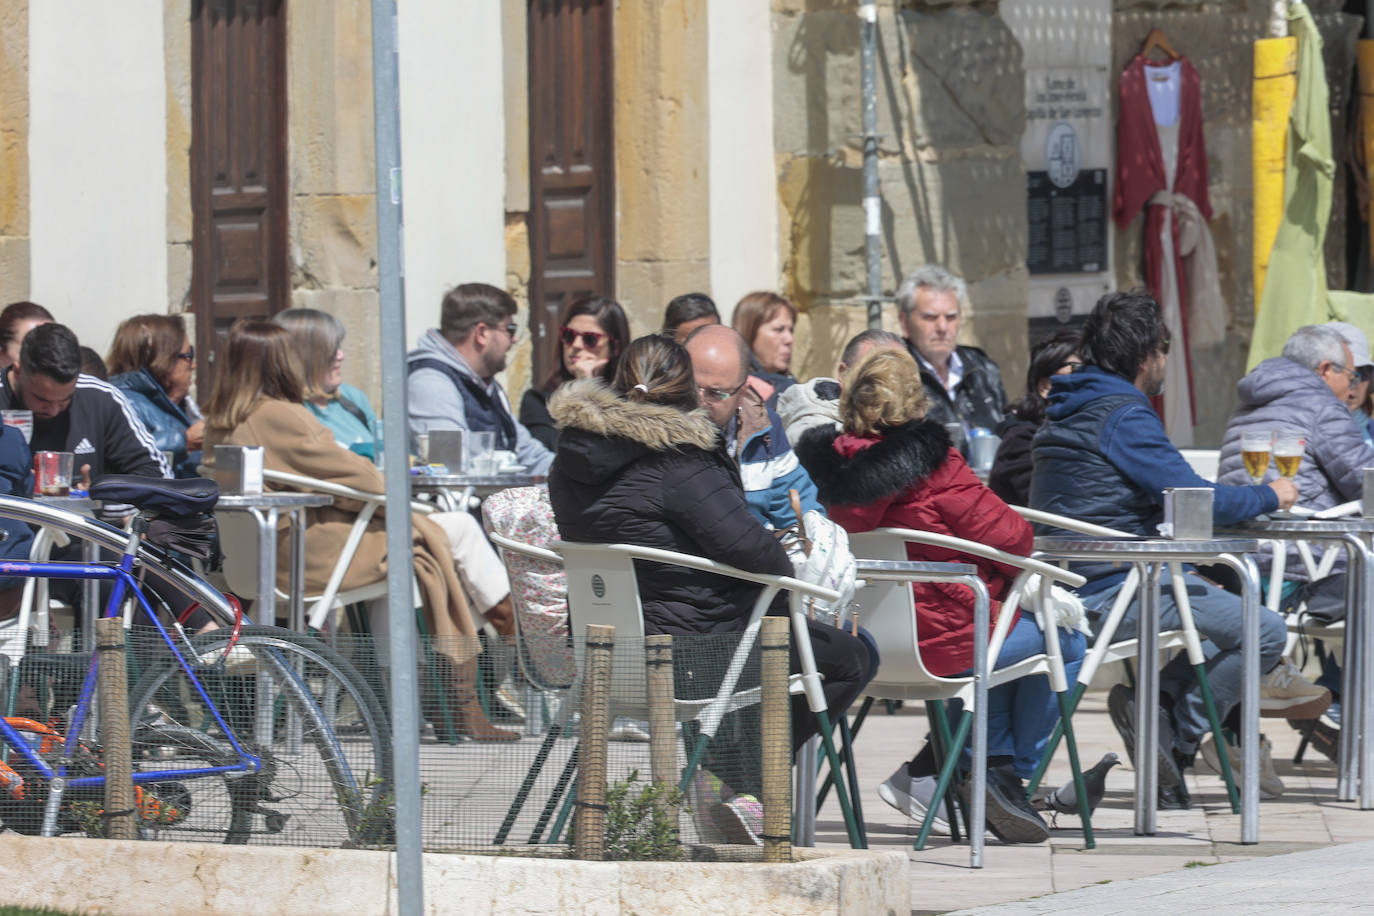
[(1307, 817), (1332, 880)]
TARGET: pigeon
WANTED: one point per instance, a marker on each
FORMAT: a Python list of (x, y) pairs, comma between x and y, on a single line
[(1064, 800)]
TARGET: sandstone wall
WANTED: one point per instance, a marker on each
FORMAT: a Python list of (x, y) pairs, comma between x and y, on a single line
[(332, 197), (14, 150), (951, 110)]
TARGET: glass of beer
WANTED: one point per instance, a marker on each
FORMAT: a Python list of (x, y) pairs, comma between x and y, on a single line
[(1288, 448), (1254, 451)]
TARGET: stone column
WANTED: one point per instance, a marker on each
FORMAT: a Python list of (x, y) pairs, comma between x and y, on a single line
[(14, 151), (661, 155)]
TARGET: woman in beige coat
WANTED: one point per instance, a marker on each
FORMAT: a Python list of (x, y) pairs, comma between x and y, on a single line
[(257, 401)]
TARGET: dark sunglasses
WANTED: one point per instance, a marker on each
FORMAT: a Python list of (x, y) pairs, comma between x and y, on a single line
[(189, 355), (511, 329), (1365, 373), (590, 339)]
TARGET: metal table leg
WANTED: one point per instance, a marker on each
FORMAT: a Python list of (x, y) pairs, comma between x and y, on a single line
[(90, 593), (266, 611), (296, 598), (1244, 565), (1352, 674), (1147, 704)]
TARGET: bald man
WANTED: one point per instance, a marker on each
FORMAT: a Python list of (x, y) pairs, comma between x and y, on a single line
[(754, 436)]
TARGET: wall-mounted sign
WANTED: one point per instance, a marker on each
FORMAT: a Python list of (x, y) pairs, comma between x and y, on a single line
[(1066, 223)]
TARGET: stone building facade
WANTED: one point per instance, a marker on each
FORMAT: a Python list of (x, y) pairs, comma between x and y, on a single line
[(736, 157)]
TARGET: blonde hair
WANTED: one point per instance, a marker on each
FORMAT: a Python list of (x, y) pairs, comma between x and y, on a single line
[(318, 336), (259, 364), (883, 390)]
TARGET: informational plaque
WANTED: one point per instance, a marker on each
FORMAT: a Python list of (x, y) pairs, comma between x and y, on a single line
[(1066, 222)]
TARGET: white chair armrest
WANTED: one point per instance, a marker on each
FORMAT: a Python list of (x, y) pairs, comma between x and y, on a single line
[(693, 562), (529, 550), (989, 553), (1038, 516), (301, 482)]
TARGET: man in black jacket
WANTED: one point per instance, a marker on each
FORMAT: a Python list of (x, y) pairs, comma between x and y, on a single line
[(963, 383), (77, 413)]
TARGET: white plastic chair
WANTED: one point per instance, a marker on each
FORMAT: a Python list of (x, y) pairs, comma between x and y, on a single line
[(239, 539), (889, 613), (603, 589)]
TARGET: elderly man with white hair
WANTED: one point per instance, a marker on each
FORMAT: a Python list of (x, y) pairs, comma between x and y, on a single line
[(963, 383), (1304, 391)]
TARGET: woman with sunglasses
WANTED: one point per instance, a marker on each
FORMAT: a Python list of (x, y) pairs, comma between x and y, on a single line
[(152, 361), (592, 335)]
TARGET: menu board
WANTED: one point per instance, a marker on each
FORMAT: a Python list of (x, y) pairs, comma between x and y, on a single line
[(1066, 213)]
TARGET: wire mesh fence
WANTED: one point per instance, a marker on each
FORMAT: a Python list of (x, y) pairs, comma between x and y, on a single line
[(663, 760)]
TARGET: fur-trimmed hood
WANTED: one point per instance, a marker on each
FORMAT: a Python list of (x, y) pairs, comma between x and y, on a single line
[(849, 471), (602, 432)]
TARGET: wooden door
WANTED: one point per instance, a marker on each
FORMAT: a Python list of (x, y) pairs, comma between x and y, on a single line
[(238, 168), (572, 203)]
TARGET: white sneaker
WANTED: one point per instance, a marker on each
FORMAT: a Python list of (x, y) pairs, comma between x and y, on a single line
[(1286, 694), (912, 795), (240, 661), (1270, 785)]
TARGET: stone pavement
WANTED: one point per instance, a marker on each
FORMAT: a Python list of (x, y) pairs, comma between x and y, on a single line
[(1307, 817)]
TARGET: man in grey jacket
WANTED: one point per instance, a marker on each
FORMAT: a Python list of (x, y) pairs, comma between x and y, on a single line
[(452, 373), (1304, 390)]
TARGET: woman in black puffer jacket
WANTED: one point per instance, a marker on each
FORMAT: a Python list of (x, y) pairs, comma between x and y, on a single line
[(638, 463)]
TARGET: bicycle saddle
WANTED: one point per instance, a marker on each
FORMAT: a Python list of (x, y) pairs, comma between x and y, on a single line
[(158, 495)]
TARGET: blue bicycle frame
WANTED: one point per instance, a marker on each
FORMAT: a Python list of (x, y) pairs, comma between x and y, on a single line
[(124, 584)]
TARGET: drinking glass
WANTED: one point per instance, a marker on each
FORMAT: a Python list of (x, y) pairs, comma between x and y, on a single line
[(481, 453), (52, 473), (1254, 451), (1288, 449)]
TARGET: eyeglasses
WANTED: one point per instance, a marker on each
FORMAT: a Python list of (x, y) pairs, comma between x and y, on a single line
[(1350, 373), (511, 329), (720, 394), (1365, 373), (1073, 365), (1164, 346), (590, 339), (189, 355)]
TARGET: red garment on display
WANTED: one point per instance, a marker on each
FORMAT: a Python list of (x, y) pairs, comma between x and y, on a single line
[(1140, 173)]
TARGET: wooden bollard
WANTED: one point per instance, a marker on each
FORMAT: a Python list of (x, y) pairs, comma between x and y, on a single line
[(775, 712), (113, 682), (590, 820), (658, 677)]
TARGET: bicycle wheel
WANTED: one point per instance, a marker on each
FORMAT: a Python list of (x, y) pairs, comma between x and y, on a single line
[(292, 700)]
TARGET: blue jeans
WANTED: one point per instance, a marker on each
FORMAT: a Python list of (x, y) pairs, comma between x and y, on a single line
[(1023, 712), (1217, 615)]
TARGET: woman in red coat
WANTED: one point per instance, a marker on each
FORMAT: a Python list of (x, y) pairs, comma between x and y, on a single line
[(891, 468)]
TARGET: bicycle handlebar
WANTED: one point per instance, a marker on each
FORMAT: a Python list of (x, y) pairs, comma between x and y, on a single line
[(156, 563)]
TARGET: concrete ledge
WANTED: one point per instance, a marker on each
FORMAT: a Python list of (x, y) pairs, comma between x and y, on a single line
[(192, 879)]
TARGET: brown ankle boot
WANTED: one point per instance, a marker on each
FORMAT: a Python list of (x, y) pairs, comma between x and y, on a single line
[(469, 720)]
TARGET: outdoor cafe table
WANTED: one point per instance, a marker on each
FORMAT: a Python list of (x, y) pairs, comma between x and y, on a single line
[(1356, 755), (266, 510), (454, 492), (1152, 554)]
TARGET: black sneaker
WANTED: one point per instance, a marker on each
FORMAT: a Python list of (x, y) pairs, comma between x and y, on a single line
[(1010, 816), (1174, 798), (1121, 707)]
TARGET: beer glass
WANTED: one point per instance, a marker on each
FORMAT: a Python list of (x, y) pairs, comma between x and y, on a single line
[(1254, 451), (1288, 449)]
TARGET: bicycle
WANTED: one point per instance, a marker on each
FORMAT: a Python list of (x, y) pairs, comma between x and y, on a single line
[(240, 733)]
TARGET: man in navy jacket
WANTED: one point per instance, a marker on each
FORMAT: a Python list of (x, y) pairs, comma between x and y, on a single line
[(1103, 457)]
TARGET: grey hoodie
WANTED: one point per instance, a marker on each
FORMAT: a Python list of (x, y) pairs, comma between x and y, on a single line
[(1282, 394), (435, 402)]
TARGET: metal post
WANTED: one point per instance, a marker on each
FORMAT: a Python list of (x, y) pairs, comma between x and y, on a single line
[(873, 203), (114, 727), (405, 699)]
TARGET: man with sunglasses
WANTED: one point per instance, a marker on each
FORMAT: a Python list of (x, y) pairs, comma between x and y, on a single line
[(754, 436), (1305, 390), (1103, 457), (452, 373)]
